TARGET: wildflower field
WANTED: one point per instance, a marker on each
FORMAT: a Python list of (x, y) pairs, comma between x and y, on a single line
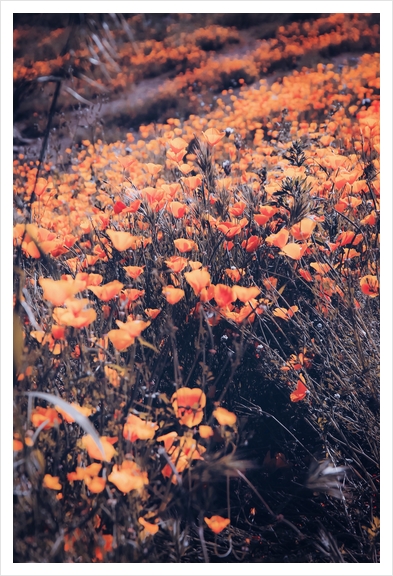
[(196, 288)]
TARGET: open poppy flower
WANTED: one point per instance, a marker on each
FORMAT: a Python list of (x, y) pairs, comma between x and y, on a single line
[(177, 209), (369, 285), (88, 443), (51, 482), (148, 526), (184, 245), (173, 295), (188, 404), (120, 339), (246, 294), (107, 291), (217, 523), (303, 229), (293, 250), (301, 391), (133, 271), (284, 313), (213, 136), (41, 415), (95, 485), (224, 295), (57, 291), (182, 456), (82, 409), (279, 239), (197, 279), (133, 327), (128, 476), (224, 416), (176, 263), (121, 240), (137, 429)]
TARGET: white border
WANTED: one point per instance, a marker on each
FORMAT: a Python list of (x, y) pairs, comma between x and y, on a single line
[(8, 8)]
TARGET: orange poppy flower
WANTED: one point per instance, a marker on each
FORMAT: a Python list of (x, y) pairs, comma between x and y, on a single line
[(133, 327), (57, 291), (229, 229), (134, 271), (126, 161), (194, 264), (74, 315), (176, 263), (233, 274), (224, 417), (177, 209), (217, 523), (224, 295), (168, 440), (237, 209), (148, 526), (303, 229), (81, 473), (95, 485), (270, 283), (279, 239), (192, 182), (197, 279), (284, 313), (178, 145), (51, 482), (137, 429), (121, 240), (246, 294), (82, 409), (294, 251), (251, 244), (205, 431), (213, 136), (107, 291), (153, 169), (301, 391), (120, 339), (41, 415), (93, 451), (184, 245), (321, 268), (305, 274), (41, 186), (128, 476), (369, 285), (266, 212), (188, 404), (173, 295), (152, 312)]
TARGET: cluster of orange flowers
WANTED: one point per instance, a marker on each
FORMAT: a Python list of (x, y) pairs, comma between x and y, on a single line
[(152, 220)]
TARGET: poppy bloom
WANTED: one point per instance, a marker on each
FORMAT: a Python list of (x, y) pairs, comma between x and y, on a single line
[(224, 295), (41, 186), (217, 523), (177, 209), (213, 136), (148, 526), (303, 229), (57, 291), (173, 295), (184, 245), (197, 279), (266, 212), (369, 285), (137, 429), (81, 473), (120, 339), (133, 327), (95, 485), (294, 251), (152, 312), (177, 145), (233, 274), (121, 240), (87, 442), (51, 482), (229, 229), (134, 271), (246, 294), (41, 415), (301, 391), (188, 404), (284, 313), (84, 410), (176, 263), (128, 476), (224, 417), (279, 239), (205, 431), (107, 291), (237, 209)]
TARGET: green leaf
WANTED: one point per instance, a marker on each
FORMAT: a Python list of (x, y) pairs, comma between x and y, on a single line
[(143, 342)]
